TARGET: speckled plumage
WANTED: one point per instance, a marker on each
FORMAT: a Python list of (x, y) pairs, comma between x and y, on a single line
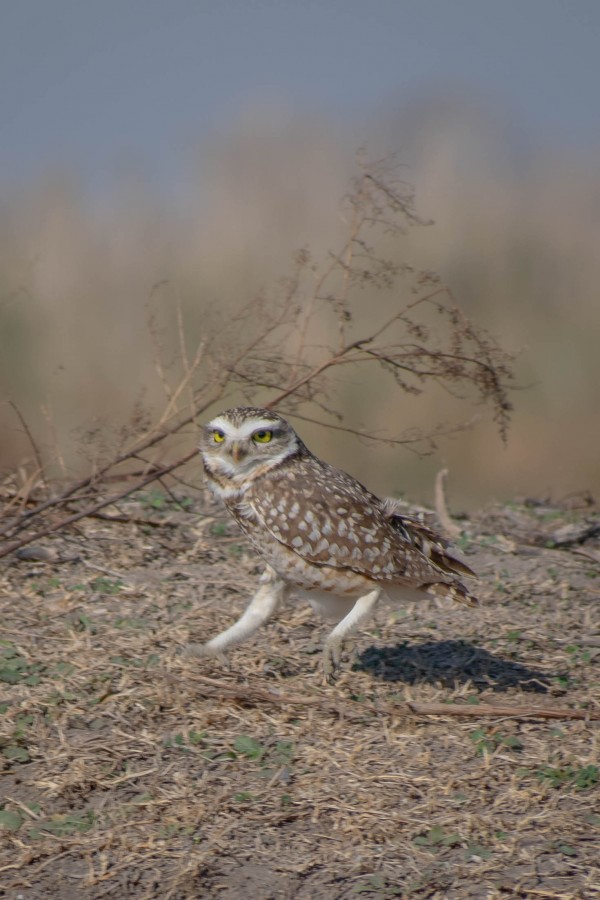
[(320, 531)]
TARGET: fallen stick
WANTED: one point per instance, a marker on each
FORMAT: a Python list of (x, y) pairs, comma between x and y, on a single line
[(491, 709), (215, 687)]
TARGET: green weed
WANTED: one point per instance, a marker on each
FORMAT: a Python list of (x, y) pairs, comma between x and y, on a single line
[(218, 529), (582, 778), (15, 668), (62, 826), (248, 747), (10, 821), (487, 742), (437, 837), (378, 885), (104, 585)]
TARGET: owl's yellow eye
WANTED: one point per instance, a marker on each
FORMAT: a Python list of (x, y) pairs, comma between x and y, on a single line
[(218, 436), (262, 436)]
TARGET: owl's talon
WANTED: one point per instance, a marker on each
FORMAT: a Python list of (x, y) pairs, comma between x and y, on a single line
[(332, 653), (204, 651)]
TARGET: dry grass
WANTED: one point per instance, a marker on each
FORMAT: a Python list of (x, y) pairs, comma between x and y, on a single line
[(131, 771)]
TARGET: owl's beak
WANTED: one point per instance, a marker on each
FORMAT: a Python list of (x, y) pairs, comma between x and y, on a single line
[(238, 451)]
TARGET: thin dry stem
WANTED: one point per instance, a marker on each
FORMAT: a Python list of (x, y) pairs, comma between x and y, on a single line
[(440, 506)]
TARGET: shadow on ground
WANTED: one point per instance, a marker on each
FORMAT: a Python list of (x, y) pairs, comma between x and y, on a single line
[(450, 663)]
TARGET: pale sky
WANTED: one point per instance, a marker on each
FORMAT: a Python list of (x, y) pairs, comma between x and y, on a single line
[(87, 84)]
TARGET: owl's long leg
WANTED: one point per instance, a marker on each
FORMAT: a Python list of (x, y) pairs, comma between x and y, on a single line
[(360, 612), (269, 595)]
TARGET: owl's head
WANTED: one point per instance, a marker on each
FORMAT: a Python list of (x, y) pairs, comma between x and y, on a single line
[(244, 438)]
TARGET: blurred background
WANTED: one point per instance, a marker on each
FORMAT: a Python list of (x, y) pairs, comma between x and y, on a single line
[(200, 144)]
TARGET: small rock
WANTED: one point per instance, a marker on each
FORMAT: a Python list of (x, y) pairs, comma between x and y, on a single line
[(33, 553)]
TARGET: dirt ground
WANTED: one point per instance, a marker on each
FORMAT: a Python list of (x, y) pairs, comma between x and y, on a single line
[(130, 770)]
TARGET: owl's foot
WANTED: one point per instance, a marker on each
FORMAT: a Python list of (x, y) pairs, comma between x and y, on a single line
[(332, 656), (205, 651)]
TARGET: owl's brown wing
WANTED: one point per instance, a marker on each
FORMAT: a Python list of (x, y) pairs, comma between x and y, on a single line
[(329, 519), (417, 530)]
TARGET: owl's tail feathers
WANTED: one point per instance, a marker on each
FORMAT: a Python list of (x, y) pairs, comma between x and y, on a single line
[(455, 591)]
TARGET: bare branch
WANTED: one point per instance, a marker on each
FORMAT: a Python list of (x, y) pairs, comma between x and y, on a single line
[(283, 350), (34, 447)]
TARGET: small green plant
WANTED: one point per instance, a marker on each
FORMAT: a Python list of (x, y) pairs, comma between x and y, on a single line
[(378, 885), (15, 668), (463, 542), (218, 529), (186, 740), (175, 740), (581, 778), (9, 820), (81, 622), (488, 742), (153, 500), (43, 587), (248, 747), (272, 758), (104, 585), (437, 837), (578, 655), (22, 723), (16, 753), (61, 826), (566, 849)]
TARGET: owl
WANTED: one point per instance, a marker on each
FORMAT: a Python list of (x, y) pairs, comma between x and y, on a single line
[(322, 534)]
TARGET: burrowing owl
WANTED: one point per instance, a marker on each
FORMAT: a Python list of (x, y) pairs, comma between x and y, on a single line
[(321, 532)]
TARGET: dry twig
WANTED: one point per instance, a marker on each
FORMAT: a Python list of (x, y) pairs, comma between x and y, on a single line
[(440, 506)]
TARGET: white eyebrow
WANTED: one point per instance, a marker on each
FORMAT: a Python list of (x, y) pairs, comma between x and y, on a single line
[(245, 430)]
